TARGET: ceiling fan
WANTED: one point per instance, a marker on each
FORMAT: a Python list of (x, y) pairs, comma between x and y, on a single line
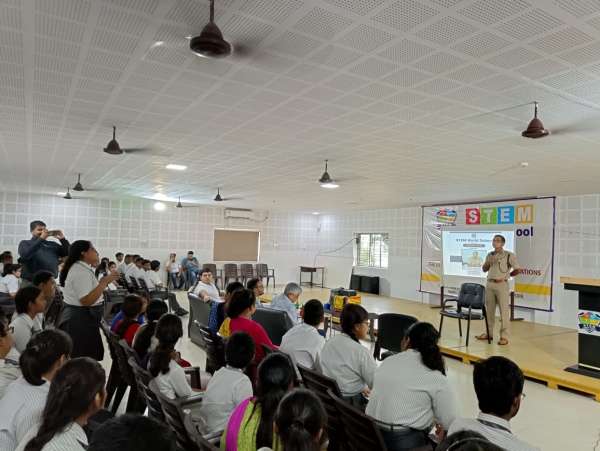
[(113, 147), (326, 181), (219, 198), (180, 205), (68, 194), (209, 43)]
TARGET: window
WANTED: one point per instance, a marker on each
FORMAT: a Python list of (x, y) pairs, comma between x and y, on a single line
[(371, 250)]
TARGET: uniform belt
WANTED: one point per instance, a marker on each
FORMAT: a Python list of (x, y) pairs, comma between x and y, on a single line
[(497, 280)]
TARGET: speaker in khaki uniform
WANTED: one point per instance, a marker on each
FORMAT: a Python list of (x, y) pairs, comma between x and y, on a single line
[(500, 265)]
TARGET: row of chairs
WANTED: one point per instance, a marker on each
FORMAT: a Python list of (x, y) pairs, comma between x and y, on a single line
[(242, 273)]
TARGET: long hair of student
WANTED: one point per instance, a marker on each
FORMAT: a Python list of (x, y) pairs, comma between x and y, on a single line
[(42, 351), (424, 338), (352, 314), (275, 376), (168, 331), (75, 250), (300, 418), (71, 393)]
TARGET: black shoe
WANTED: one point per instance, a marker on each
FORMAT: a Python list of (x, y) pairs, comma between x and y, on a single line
[(181, 312)]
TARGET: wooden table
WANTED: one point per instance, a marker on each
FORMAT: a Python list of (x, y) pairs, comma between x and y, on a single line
[(312, 270)]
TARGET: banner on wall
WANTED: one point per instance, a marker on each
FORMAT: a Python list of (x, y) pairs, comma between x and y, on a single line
[(529, 221)]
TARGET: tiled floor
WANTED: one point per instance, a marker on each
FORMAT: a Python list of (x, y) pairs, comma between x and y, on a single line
[(554, 420)]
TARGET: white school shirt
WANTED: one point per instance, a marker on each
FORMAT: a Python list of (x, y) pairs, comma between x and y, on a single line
[(407, 393), (20, 410), (111, 286), (174, 384), (349, 363), (9, 370), (24, 328), (495, 429), (226, 389), (304, 344), (210, 289), (153, 279), (9, 284), (81, 280), (174, 267), (73, 438), (130, 270)]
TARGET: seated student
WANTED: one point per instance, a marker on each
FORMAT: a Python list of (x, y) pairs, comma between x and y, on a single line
[(288, 300), (239, 313), (111, 268), (132, 307), (300, 421), (9, 283), (6, 258), (257, 288), (174, 268), (133, 432), (217, 309), (411, 392), (76, 394), (250, 425), (120, 315), (29, 303), (9, 357), (499, 387), (205, 288), (101, 269), (229, 386), (169, 377), (23, 402), (144, 341), (45, 281), (467, 441), (303, 341), (155, 284), (344, 359)]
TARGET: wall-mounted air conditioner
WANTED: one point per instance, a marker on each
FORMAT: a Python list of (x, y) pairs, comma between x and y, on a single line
[(240, 213)]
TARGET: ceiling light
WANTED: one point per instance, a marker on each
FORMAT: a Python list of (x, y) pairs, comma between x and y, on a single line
[(524, 164), (535, 129), (176, 167), (161, 196), (326, 181), (316, 213), (157, 44), (61, 193), (159, 206)]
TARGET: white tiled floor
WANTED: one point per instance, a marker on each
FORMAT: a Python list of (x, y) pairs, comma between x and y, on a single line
[(554, 420)]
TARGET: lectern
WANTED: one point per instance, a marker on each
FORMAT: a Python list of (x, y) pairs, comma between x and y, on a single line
[(588, 325)]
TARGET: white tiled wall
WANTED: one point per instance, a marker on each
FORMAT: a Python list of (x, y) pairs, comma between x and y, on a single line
[(289, 239)]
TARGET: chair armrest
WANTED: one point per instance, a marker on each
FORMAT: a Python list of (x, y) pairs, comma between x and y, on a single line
[(194, 373), (193, 399), (447, 301), (214, 437)]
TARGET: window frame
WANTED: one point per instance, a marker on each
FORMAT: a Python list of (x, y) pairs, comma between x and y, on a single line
[(383, 239)]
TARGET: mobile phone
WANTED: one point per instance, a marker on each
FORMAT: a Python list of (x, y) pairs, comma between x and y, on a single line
[(52, 232)]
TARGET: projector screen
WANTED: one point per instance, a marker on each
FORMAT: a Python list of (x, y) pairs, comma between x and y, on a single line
[(463, 253)]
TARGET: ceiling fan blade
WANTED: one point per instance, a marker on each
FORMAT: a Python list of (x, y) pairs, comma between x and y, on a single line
[(148, 151)]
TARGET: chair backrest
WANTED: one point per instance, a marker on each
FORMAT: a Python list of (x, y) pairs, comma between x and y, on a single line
[(200, 309), (212, 267), (215, 348), (142, 379), (317, 382), (121, 357), (391, 328), (53, 310), (175, 418), (134, 283), (230, 270), (275, 322), (361, 432), (123, 282), (105, 328), (192, 431), (143, 285), (262, 270), (112, 303), (247, 270), (471, 295)]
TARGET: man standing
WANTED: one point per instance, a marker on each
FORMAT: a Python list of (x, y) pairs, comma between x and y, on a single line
[(37, 253), (500, 265)]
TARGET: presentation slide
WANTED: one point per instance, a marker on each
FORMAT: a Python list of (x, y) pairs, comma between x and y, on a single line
[(464, 251)]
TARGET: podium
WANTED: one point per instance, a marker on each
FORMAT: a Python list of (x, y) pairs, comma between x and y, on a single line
[(588, 325)]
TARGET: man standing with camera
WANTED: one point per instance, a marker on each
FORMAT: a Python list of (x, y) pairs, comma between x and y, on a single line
[(38, 253), (500, 265)]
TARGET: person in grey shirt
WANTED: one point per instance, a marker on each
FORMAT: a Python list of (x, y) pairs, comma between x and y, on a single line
[(288, 300), (38, 253)]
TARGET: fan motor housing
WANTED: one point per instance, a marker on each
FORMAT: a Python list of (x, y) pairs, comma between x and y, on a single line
[(210, 43)]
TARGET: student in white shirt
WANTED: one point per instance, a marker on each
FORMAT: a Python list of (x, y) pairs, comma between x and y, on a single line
[(303, 341), (132, 268), (24, 400), (229, 386), (411, 393), (111, 268), (9, 357), (83, 297), (205, 287), (29, 303), (155, 284), (174, 270), (344, 359), (77, 393), (122, 268), (499, 387), (169, 377), (288, 300), (9, 283), (119, 260), (467, 440)]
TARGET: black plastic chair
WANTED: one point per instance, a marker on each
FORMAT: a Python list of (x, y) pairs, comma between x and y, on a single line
[(214, 346), (360, 431), (134, 284), (247, 272), (200, 313), (391, 328), (275, 322), (230, 271), (471, 297), (142, 379), (53, 310), (113, 299), (262, 271), (134, 402), (115, 380), (324, 387)]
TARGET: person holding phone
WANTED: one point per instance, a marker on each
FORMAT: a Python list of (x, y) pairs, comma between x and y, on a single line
[(39, 254), (499, 265)]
